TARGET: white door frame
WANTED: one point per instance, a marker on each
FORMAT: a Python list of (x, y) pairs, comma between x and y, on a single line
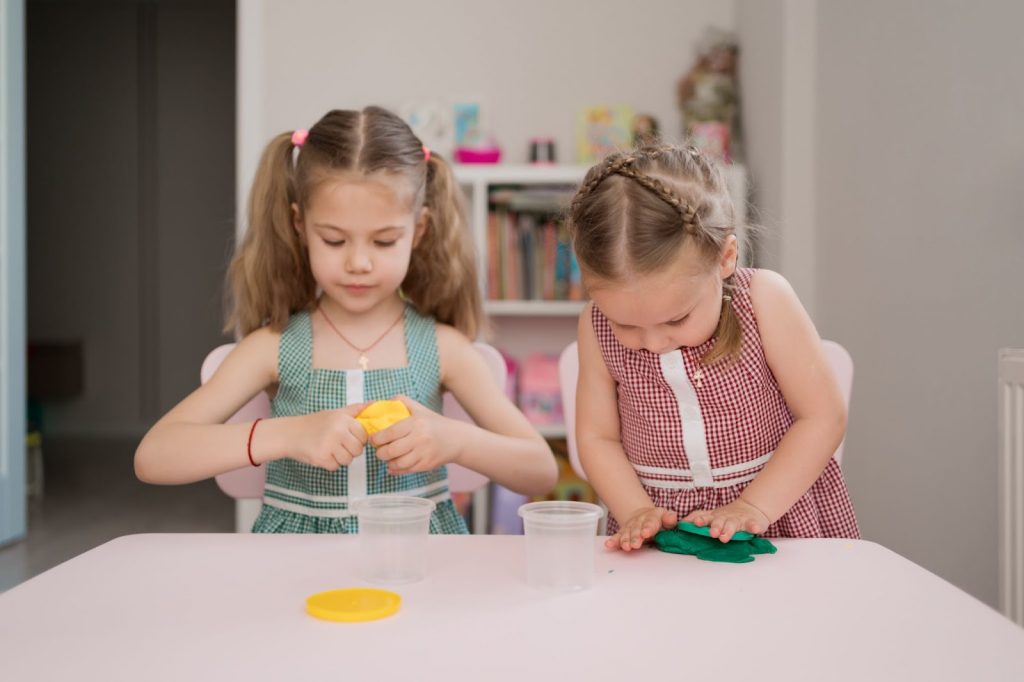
[(12, 271)]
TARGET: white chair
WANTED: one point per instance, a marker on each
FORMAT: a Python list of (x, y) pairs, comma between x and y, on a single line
[(569, 368), (245, 485)]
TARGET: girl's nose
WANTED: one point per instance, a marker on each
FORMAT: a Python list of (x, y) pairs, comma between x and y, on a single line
[(657, 343), (359, 261)]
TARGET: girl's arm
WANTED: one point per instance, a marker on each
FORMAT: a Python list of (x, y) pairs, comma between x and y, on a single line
[(503, 445), (191, 442), (600, 447), (796, 358)]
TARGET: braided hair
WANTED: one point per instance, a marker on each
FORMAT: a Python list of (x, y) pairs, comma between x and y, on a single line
[(636, 210)]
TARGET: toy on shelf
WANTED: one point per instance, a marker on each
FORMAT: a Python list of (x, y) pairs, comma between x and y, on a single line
[(708, 96), (540, 397), (486, 154), (602, 130)]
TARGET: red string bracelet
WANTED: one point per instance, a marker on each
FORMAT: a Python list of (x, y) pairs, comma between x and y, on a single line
[(248, 448)]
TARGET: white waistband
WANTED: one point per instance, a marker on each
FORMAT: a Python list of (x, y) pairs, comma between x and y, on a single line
[(684, 479), (438, 492)]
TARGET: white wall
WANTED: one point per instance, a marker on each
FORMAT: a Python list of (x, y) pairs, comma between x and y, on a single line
[(919, 167), (533, 63)]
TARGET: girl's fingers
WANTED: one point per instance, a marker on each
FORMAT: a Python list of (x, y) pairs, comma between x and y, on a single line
[(352, 445), (627, 539), (357, 431), (728, 528), (395, 449), (402, 464), (392, 433), (698, 518)]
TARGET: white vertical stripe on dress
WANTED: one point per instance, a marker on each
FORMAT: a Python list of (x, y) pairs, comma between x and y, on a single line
[(354, 384), (695, 440)]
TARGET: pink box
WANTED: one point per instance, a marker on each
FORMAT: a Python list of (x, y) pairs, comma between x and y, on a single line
[(540, 395), (477, 154)]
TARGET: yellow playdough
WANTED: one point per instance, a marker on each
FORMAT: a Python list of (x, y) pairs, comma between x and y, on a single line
[(382, 414)]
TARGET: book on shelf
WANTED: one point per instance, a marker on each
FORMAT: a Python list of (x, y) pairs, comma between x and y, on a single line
[(528, 250)]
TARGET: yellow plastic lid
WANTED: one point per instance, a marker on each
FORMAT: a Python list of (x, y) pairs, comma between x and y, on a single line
[(353, 605), (382, 414)]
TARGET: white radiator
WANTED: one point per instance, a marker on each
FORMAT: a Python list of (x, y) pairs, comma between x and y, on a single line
[(1011, 483)]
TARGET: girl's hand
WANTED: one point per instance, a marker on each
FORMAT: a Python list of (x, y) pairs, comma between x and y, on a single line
[(642, 525), (725, 521), (330, 439), (421, 442)]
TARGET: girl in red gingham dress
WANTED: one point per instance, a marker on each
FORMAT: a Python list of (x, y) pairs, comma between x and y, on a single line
[(704, 394)]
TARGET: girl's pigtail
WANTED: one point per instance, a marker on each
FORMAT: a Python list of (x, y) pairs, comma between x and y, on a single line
[(729, 334), (269, 277), (442, 279)]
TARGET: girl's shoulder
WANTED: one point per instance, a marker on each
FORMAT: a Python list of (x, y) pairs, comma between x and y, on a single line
[(450, 340), (452, 348), (767, 290), (258, 350)]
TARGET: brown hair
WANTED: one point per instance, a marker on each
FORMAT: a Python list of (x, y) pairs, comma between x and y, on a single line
[(636, 210), (270, 276)]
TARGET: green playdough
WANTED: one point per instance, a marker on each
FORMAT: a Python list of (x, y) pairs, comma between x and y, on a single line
[(687, 538)]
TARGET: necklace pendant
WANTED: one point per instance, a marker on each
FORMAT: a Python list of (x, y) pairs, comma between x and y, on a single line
[(364, 362)]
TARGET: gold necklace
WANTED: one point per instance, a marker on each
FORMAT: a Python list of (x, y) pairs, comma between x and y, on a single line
[(364, 362)]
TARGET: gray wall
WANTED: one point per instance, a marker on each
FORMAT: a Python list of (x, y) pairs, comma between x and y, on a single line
[(919, 166), (921, 155), (130, 198)]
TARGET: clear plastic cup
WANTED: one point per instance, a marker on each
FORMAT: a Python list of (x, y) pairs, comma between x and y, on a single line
[(560, 544), (393, 532)]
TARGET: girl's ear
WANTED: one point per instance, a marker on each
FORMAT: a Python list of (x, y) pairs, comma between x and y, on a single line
[(297, 221), (421, 226), (727, 263)]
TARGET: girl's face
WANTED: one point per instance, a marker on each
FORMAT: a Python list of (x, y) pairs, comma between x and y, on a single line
[(676, 306), (359, 233)]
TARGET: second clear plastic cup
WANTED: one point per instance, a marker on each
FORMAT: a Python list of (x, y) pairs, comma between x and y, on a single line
[(393, 532), (560, 544)]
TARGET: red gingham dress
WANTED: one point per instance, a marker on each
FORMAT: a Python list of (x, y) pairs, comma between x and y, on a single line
[(696, 436)]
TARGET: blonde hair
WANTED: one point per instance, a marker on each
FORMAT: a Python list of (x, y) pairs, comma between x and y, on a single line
[(636, 210), (270, 277)]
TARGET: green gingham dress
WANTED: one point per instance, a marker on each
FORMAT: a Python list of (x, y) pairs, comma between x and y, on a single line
[(300, 498)]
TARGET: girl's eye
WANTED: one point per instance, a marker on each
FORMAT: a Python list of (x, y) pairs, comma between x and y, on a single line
[(676, 323), (334, 243), (385, 243)]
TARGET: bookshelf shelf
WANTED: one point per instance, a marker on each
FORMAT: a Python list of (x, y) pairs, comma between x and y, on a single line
[(494, 174), (539, 308)]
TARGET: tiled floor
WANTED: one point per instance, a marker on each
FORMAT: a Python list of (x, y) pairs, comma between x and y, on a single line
[(91, 496)]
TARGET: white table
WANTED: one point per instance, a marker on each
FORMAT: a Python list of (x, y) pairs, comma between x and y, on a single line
[(231, 607)]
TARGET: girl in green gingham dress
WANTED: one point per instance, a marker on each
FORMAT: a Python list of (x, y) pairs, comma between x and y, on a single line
[(300, 498), (355, 282)]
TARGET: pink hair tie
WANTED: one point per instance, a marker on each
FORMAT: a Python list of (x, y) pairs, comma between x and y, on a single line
[(299, 137), (426, 154)]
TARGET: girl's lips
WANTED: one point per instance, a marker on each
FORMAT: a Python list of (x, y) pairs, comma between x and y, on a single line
[(357, 288)]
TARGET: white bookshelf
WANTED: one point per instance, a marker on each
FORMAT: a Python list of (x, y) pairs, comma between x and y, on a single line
[(476, 179), (524, 327)]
